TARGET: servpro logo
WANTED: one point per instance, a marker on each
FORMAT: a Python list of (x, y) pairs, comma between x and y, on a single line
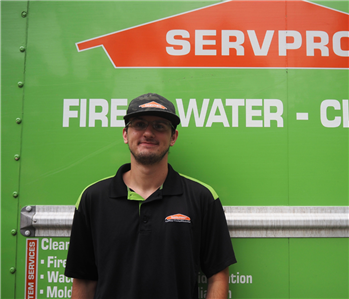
[(177, 218), (234, 34), (153, 105)]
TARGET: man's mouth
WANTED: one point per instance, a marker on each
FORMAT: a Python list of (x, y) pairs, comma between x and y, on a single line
[(146, 142)]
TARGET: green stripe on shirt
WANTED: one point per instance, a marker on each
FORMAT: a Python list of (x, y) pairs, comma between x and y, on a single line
[(79, 199), (213, 192)]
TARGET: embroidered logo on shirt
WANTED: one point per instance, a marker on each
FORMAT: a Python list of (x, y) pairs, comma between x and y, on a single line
[(153, 105), (177, 218)]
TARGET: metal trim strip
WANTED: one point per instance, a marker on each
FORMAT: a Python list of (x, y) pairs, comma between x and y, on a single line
[(288, 221), (243, 221)]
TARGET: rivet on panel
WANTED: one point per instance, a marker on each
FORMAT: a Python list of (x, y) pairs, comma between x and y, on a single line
[(18, 120), (15, 194), (24, 14), (12, 270), (20, 84), (27, 233), (28, 208), (16, 157), (21, 48), (13, 232)]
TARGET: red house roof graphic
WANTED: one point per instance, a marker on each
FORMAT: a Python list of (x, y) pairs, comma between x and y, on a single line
[(234, 34)]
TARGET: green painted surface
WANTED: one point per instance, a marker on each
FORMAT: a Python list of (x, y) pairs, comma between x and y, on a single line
[(340, 5), (300, 163), (266, 260), (13, 35), (319, 268), (318, 156)]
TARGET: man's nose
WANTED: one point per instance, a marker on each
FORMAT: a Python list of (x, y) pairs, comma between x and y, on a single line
[(149, 130)]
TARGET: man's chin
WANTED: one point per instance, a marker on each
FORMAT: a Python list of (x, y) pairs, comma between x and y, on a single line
[(149, 158)]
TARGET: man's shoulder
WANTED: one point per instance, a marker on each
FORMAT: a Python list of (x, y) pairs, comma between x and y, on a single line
[(99, 184), (105, 186), (199, 185), (94, 188)]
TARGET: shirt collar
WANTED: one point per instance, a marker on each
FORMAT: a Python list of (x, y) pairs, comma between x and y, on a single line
[(171, 186)]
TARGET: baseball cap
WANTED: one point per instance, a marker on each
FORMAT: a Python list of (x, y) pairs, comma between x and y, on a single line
[(152, 104)]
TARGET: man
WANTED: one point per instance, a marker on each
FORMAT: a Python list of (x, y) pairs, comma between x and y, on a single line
[(147, 232)]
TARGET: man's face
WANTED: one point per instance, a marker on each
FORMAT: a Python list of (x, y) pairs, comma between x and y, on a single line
[(149, 146)]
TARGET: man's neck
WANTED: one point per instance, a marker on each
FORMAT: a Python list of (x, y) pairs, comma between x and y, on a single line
[(146, 179)]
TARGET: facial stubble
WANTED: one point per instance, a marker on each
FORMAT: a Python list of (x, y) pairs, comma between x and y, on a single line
[(149, 158)]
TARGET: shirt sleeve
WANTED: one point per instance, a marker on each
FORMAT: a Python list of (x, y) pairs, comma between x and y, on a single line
[(81, 260), (216, 249)]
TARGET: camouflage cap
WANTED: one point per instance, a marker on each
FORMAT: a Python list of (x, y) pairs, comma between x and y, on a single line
[(152, 104)]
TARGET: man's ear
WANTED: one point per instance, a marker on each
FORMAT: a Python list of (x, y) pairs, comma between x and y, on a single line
[(124, 135), (174, 138)]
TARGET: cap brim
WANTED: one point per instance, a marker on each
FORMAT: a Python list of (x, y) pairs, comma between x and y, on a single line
[(174, 119)]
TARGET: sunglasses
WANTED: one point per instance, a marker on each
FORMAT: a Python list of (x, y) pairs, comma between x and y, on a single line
[(157, 125)]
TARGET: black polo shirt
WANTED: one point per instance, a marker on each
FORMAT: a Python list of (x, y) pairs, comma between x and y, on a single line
[(151, 248)]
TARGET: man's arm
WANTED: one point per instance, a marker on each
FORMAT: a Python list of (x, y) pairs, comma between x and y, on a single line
[(83, 289), (218, 285)]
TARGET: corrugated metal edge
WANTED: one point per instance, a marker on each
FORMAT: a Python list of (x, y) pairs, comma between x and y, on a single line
[(288, 221), (243, 221), (47, 221)]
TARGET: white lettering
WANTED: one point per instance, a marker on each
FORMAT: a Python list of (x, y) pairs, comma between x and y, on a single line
[(250, 122), (302, 116), (235, 103), (200, 42), (345, 114), (83, 113), (48, 244), (31, 289), (202, 293), (54, 292), (284, 45), (321, 45), (240, 278), (94, 115), (114, 112), (202, 278), (234, 39), (232, 278), (184, 44), (67, 113), (56, 263), (221, 118), (43, 244), (323, 114), (192, 108), (52, 276), (337, 49), (268, 115), (50, 261), (63, 279), (257, 50), (227, 44), (273, 111)]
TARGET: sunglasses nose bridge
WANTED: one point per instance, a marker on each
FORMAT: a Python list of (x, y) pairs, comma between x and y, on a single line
[(149, 124)]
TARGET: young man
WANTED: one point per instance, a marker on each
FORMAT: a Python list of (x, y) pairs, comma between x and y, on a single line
[(147, 231)]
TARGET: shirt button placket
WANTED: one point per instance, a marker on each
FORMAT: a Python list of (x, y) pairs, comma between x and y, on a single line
[(144, 219)]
